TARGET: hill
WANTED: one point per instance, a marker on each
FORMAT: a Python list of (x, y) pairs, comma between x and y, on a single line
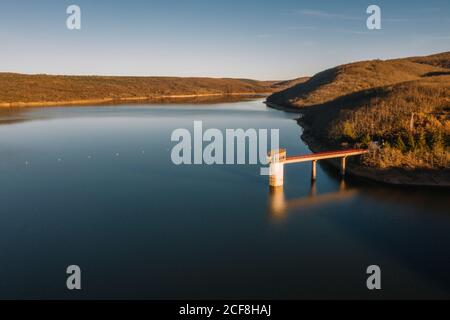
[(399, 108), (41, 90), (438, 60), (285, 84), (349, 78)]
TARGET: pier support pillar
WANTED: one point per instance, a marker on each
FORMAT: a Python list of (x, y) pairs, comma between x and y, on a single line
[(343, 166), (276, 176), (276, 168), (313, 170)]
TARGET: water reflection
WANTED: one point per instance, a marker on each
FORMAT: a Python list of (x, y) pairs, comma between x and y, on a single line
[(12, 116), (279, 206)]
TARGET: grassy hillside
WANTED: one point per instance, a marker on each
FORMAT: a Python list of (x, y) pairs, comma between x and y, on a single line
[(438, 60), (21, 89), (399, 108), (283, 85), (349, 78)]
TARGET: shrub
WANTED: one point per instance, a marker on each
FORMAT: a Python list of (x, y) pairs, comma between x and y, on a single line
[(366, 140), (399, 144), (411, 142), (348, 131), (437, 142), (421, 140)]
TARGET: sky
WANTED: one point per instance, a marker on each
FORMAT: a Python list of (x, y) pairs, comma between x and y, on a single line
[(258, 39)]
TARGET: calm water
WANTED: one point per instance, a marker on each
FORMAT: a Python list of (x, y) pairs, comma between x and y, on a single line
[(95, 186)]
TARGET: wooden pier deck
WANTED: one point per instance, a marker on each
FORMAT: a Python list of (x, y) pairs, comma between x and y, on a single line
[(278, 159), (325, 155)]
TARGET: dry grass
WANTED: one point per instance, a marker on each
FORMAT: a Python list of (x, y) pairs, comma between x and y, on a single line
[(438, 60)]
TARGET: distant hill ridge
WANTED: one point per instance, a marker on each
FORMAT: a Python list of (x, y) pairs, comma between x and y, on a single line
[(353, 77), (43, 90)]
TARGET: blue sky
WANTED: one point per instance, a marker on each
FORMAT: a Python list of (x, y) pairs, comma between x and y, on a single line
[(277, 39)]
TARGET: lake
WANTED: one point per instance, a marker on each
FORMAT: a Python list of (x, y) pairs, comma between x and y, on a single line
[(95, 186)]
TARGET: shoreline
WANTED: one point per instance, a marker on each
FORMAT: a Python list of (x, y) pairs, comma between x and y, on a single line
[(282, 108), (394, 176), (124, 100)]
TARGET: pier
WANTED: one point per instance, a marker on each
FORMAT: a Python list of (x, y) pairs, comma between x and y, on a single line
[(278, 159)]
